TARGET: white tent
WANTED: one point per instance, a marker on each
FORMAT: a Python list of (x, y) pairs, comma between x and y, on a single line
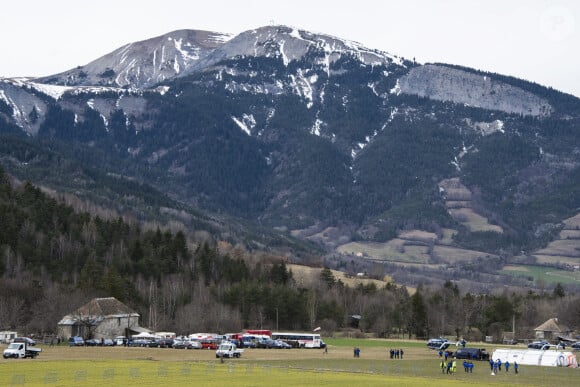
[(146, 335), (549, 358)]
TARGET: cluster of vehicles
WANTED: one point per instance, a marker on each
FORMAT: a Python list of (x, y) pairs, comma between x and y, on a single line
[(462, 352), (233, 342), (544, 345)]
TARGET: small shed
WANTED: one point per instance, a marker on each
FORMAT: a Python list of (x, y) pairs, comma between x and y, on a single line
[(100, 318), (6, 337), (552, 329)]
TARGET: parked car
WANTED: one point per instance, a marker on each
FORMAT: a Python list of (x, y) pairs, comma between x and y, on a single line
[(92, 342), (542, 344), (194, 344), (263, 343), (269, 343), (145, 343), (180, 344), (283, 344), (576, 346), (76, 341), (248, 342), (209, 344), (120, 340), (471, 354), (165, 343), (108, 342), (26, 340)]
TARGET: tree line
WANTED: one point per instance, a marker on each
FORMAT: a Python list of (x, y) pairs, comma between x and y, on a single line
[(54, 259)]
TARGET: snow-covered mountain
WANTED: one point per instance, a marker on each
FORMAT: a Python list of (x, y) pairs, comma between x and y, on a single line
[(143, 64), (307, 133)]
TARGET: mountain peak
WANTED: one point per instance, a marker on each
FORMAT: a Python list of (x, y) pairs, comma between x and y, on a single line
[(289, 43), (144, 63)]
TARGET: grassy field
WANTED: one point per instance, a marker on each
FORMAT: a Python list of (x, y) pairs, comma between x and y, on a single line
[(119, 366), (308, 276), (541, 273), (473, 221)]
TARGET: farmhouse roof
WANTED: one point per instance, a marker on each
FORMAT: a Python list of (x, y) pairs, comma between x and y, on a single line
[(108, 306), (552, 325), (100, 308)]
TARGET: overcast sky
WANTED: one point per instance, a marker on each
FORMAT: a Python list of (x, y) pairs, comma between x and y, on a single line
[(537, 40)]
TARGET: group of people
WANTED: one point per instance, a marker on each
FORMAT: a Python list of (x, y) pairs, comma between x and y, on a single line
[(495, 366), (449, 367), (396, 353), (467, 366)]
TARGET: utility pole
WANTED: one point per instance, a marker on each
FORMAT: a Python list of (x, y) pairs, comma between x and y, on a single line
[(276, 318)]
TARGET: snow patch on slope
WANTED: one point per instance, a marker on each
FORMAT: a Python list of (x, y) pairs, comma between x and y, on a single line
[(246, 123)]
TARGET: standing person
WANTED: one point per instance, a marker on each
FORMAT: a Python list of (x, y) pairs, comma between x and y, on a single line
[(507, 366), (516, 367), (454, 366), (443, 366), (401, 352), (491, 364)]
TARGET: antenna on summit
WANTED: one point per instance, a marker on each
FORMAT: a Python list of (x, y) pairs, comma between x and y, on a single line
[(272, 22)]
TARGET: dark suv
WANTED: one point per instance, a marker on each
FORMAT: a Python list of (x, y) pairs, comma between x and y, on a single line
[(26, 340), (472, 354), (539, 345)]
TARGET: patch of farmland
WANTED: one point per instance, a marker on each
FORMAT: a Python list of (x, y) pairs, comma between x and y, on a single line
[(393, 250), (453, 255), (542, 273), (447, 237), (413, 251), (418, 235), (553, 260), (570, 234), (562, 248), (522, 269), (572, 223), (306, 276), (473, 221), (565, 250), (458, 203)]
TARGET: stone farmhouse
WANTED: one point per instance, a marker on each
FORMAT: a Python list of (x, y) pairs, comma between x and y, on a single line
[(552, 329), (100, 318)]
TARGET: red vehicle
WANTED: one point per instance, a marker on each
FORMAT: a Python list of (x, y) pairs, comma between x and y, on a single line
[(209, 344)]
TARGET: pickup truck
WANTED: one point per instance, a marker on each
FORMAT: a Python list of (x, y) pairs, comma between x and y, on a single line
[(228, 350), (21, 351)]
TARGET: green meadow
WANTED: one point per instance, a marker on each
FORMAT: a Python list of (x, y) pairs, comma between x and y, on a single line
[(260, 367), (548, 275)]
